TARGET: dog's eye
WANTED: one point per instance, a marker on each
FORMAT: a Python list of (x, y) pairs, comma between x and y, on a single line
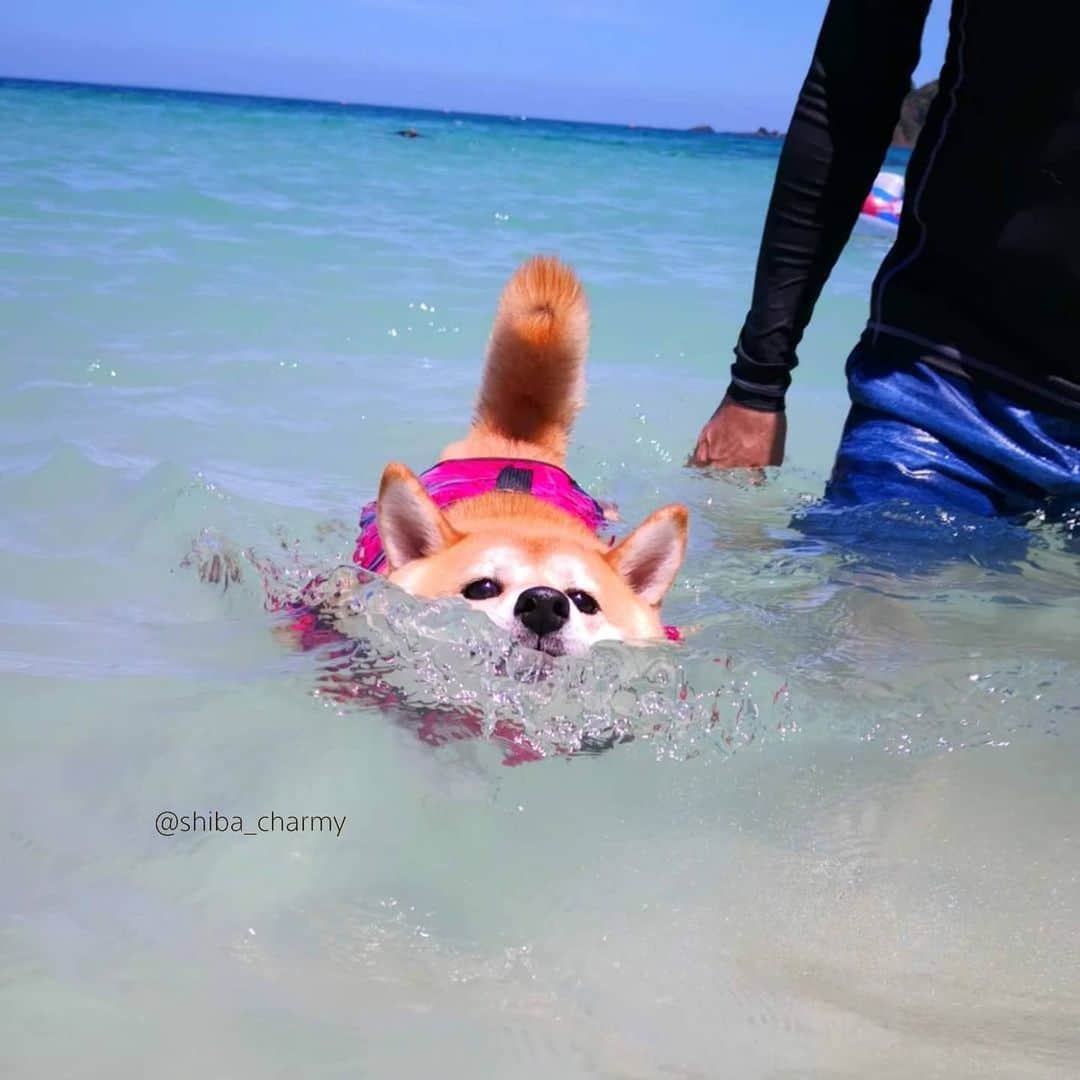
[(484, 589), (585, 603)]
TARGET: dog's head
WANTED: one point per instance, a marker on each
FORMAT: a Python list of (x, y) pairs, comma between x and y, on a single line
[(533, 569)]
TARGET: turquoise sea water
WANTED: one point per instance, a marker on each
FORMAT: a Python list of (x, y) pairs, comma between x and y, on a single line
[(842, 840)]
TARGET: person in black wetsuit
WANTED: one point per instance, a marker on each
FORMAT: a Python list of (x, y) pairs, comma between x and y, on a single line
[(965, 385)]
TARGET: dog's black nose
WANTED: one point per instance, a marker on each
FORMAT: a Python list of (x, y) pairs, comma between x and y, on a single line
[(543, 610)]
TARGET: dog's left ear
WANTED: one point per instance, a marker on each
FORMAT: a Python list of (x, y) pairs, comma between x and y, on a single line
[(649, 558), (410, 525)]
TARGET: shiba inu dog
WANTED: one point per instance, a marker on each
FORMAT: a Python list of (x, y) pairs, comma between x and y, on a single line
[(498, 522)]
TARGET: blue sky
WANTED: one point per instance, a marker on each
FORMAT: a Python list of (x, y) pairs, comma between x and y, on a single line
[(735, 64)]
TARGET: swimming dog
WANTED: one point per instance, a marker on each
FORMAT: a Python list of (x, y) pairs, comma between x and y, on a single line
[(498, 522)]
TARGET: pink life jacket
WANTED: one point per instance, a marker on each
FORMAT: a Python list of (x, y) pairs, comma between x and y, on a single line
[(451, 481)]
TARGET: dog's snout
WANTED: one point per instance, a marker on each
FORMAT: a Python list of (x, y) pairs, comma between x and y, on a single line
[(543, 610)]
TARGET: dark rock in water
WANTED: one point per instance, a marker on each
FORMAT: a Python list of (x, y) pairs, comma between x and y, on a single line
[(408, 133), (913, 114), (765, 133), (702, 129)]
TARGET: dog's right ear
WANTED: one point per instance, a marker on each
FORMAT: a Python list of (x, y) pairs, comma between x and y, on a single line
[(410, 525)]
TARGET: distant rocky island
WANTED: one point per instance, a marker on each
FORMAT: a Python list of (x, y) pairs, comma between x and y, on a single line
[(761, 133), (913, 114)]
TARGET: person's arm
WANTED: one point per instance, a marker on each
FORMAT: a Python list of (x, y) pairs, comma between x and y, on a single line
[(839, 133)]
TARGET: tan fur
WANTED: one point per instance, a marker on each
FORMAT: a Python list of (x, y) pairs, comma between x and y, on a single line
[(534, 378), (543, 544), (532, 389)]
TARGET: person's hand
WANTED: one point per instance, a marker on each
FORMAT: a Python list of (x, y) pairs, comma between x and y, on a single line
[(740, 438)]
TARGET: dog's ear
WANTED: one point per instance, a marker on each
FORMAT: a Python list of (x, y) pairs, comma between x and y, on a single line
[(410, 525), (649, 558)]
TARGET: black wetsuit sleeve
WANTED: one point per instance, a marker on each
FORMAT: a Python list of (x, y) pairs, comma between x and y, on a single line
[(839, 133)]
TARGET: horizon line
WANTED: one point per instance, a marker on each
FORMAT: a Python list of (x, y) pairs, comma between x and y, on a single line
[(761, 133)]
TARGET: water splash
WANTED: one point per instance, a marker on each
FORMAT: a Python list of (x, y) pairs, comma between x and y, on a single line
[(450, 673), (792, 636)]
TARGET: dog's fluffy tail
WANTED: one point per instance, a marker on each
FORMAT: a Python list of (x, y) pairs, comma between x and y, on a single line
[(534, 379)]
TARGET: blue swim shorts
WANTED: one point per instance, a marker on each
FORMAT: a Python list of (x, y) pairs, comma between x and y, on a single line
[(927, 436)]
